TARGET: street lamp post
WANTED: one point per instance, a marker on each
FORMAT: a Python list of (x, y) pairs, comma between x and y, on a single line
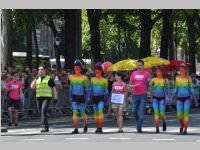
[(57, 54)]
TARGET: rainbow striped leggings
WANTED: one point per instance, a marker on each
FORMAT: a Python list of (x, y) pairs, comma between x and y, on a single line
[(183, 108), (98, 113), (159, 110), (75, 113)]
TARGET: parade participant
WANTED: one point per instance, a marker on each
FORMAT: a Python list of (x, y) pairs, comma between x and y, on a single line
[(14, 88), (77, 91), (139, 81), (119, 87), (99, 95), (44, 85), (183, 92), (159, 95)]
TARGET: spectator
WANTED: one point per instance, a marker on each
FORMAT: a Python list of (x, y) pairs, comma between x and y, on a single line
[(3, 92), (14, 88)]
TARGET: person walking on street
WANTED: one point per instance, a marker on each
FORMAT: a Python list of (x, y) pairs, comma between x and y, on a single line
[(99, 94), (139, 82), (159, 97), (183, 92), (119, 87), (44, 85), (77, 92)]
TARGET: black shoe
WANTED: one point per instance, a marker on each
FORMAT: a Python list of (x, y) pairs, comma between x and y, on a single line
[(85, 129), (185, 132), (75, 131), (16, 124), (45, 130), (120, 131), (164, 126), (10, 123), (139, 130), (181, 130), (157, 130), (97, 130), (100, 130)]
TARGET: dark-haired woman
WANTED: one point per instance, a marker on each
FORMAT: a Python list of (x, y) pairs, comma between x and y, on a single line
[(119, 87)]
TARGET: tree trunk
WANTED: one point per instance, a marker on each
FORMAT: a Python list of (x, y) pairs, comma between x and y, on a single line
[(171, 38), (145, 19), (192, 43), (128, 42), (175, 40), (165, 37), (36, 43), (72, 37), (29, 38), (7, 39), (94, 18), (56, 47), (119, 42)]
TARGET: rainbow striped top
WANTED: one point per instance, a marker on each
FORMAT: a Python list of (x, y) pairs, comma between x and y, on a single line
[(183, 87), (78, 85), (160, 87), (98, 86)]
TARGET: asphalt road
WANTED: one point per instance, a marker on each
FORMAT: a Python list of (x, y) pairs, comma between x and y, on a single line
[(61, 128)]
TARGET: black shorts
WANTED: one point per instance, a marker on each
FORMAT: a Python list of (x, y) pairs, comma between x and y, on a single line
[(97, 99), (14, 103), (159, 98), (78, 98), (182, 99)]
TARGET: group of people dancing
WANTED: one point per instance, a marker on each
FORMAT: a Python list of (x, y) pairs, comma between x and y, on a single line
[(95, 92)]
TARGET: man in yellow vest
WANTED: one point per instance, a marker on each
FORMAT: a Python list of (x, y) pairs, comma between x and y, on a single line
[(44, 85)]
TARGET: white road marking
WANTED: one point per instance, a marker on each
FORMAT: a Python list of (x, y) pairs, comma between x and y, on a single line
[(197, 140), (177, 130), (109, 130), (33, 139), (163, 139), (119, 138), (21, 130), (76, 138)]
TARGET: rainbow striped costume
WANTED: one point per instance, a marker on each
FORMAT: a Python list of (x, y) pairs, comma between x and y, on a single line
[(78, 89), (98, 92), (160, 92), (183, 91)]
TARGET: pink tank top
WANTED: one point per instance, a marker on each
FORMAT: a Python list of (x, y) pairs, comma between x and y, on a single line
[(119, 87)]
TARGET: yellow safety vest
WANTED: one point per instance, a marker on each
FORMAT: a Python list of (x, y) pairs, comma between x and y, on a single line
[(42, 88)]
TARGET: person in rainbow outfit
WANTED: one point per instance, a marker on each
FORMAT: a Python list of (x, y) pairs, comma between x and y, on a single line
[(77, 91), (98, 95), (159, 95), (183, 92)]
